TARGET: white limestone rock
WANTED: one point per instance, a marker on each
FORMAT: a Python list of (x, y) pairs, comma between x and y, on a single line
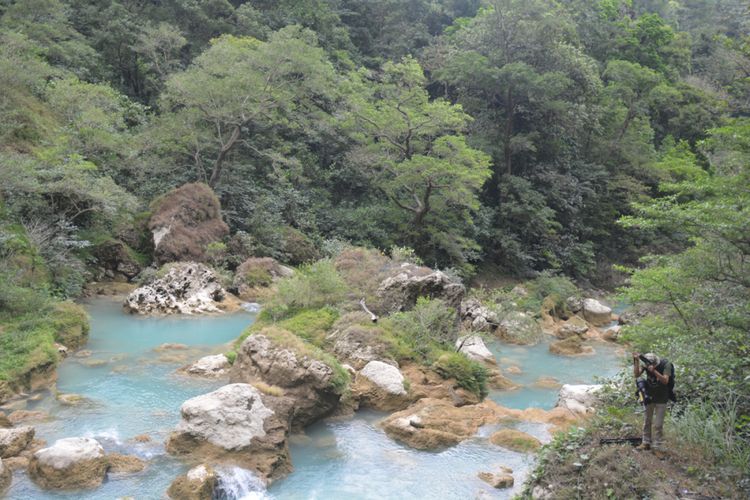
[(474, 348), (596, 313), (70, 463), (210, 366), (230, 417), (385, 376), (14, 440), (187, 288), (579, 399)]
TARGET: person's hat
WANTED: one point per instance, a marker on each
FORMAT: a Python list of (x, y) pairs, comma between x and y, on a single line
[(652, 357)]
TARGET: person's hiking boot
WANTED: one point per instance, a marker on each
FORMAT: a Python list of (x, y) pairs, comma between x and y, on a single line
[(643, 447), (660, 454)]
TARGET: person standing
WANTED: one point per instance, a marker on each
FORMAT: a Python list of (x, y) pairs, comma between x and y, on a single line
[(658, 375)]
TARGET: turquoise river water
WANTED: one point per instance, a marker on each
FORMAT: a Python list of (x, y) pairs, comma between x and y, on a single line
[(130, 388)]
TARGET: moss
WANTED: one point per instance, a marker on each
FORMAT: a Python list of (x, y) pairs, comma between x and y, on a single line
[(469, 374), (71, 324), (311, 324), (288, 340)]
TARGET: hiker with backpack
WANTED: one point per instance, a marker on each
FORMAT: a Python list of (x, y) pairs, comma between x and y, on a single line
[(659, 388)]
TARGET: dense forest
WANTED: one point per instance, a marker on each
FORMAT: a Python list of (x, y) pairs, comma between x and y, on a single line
[(607, 141)]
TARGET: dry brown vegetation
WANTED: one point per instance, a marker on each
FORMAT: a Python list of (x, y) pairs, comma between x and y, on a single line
[(192, 213)]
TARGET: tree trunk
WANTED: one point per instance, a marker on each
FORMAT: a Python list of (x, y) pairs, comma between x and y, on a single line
[(219, 162)]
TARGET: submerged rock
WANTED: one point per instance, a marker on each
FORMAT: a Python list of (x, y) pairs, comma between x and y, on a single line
[(381, 386), (474, 348), (210, 366), (14, 440), (401, 291), (580, 399), (431, 424), (5, 422), (515, 440), (570, 347), (69, 464), (6, 476), (278, 358), (502, 479), (124, 464), (198, 484), (187, 288), (233, 423), (596, 313)]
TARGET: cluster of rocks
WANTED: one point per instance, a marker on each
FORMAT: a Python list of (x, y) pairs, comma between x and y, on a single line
[(69, 464)]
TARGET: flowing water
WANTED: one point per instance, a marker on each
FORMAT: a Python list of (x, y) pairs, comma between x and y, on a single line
[(130, 388)]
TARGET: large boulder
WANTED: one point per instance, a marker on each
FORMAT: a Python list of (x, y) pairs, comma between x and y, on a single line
[(14, 440), (187, 288), (431, 424), (6, 476), (210, 366), (358, 344), (233, 424), (381, 386), (519, 328), (579, 399), (184, 221), (311, 387), (474, 348), (197, 484), (596, 313), (400, 291), (69, 464), (478, 317)]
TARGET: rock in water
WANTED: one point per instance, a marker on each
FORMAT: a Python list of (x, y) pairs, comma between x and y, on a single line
[(69, 464), (596, 313), (198, 484), (474, 348), (570, 347), (5, 477), (184, 222), (279, 358), (186, 289), (14, 440), (431, 424), (515, 440), (400, 292), (503, 479), (381, 386), (580, 399), (233, 423), (210, 366)]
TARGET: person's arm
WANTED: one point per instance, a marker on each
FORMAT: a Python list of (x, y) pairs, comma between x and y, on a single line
[(636, 365), (663, 379)]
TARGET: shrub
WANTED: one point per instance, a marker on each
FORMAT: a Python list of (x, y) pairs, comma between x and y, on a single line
[(298, 248), (468, 373), (70, 324), (548, 291), (405, 254), (312, 287), (231, 356), (416, 334)]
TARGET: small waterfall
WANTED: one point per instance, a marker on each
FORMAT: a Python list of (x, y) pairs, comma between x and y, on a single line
[(236, 483)]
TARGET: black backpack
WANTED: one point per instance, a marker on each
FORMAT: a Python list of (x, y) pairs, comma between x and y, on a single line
[(660, 368)]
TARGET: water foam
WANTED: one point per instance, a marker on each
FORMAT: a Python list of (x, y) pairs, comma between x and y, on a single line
[(236, 483)]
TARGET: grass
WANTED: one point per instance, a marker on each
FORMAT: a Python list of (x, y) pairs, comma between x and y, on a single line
[(311, 324), (468, 373)]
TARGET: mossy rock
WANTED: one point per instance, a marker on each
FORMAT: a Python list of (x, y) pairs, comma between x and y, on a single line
[(515, 440), (71, 324)]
